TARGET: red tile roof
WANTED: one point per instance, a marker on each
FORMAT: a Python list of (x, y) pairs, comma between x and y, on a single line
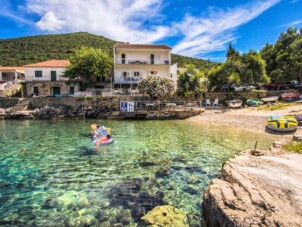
[(51, 63), (141, 46), (11, 68)]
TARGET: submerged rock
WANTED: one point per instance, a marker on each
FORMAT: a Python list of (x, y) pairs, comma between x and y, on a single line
[(166, 216), (256, 191), (132, 195)]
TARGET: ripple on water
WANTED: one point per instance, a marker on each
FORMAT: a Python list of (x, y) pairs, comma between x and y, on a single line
[(50, 172)]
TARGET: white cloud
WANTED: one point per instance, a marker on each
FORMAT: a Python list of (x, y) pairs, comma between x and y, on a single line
[(50, 22), (213, 31), (291, 24), (120, 20)]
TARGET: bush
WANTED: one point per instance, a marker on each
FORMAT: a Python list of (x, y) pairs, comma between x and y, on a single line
[(293, 147)]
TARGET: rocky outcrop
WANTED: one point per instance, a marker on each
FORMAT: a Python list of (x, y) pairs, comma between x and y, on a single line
[(166, 216), (257, 189)]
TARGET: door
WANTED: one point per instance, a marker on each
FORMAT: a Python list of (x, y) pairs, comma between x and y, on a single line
[(56, 90), (53, 75), (152, 59), (71, 90)]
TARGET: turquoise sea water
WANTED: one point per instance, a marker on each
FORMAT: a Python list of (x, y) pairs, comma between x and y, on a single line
[(51, 174)]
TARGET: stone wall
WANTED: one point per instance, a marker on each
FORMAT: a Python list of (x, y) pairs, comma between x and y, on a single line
[(8, 102)]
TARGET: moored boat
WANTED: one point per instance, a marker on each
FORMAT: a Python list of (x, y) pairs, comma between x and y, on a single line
[(270, 99), (236, 103), (253, 102), (280, 123)]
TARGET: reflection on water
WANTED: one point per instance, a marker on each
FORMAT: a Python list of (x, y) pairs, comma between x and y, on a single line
[(51, 173)]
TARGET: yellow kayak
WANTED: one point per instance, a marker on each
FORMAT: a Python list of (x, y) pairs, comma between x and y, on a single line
[(280, 123)]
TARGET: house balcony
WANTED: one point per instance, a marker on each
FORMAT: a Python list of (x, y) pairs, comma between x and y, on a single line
[(121, 61), (127, 80)]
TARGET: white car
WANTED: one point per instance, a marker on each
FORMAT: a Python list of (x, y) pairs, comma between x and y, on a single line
[(243, 87)]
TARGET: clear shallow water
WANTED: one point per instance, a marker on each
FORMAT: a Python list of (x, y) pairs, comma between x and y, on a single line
[(50, 174)]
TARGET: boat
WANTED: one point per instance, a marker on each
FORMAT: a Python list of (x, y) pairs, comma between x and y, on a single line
[(253, 102), (235, 103), (278, 123), (288, 97), (271, 99)]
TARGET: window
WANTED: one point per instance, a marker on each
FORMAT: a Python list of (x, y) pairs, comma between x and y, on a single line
[(71, 90), (152, 59), (153, 72), (53, 75), (38, 73), (124, 75), (123, 58), (136, 74), (36, 91)]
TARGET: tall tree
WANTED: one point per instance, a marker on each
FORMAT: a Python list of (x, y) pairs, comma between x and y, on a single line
[(189, 82), (232, 53), (296, 47), (280, 58), (89, 63)]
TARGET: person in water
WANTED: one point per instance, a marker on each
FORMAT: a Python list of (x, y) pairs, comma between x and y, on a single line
[(101, 135)]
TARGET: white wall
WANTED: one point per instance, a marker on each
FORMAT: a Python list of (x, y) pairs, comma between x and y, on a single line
[(160, 56), (143, 70), (46, 73)]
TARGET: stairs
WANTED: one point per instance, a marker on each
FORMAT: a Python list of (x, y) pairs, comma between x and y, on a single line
[(2, 113), (21, 106)]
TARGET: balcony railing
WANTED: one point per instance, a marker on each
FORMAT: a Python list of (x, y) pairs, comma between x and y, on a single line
[(141, 62), (127, 80)]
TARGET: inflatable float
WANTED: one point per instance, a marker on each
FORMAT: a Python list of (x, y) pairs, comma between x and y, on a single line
[(280, 123), (101, 135)]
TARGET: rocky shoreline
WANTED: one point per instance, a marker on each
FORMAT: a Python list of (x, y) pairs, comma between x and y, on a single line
[(257, 188), (94, 112)]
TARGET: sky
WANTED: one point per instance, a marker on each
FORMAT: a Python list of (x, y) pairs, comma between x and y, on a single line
[(194, 28)]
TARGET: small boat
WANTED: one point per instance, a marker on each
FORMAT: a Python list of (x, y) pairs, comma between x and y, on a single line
[(271, 99), (289, 97), (280, 123), (236, 103), (253, 102)]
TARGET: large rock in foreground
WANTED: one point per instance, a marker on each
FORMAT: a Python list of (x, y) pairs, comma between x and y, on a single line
[(166, 216), (256, 191)]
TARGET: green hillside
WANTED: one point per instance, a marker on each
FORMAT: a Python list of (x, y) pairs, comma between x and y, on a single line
[(32, 49)]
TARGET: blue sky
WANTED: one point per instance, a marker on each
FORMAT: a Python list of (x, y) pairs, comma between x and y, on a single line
[(196, 28)]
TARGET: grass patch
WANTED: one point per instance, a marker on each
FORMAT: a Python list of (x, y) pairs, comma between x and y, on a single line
[(277, 106), (293, 147)]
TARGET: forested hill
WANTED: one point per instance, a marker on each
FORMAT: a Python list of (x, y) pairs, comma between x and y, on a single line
[(32, 49)]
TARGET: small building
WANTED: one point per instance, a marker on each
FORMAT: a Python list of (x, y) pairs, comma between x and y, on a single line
[(132, 62), (10, 76), (46, 78)]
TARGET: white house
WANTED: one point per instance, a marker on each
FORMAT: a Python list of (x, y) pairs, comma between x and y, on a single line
[(45, 78), (134, 61), (10, 77)]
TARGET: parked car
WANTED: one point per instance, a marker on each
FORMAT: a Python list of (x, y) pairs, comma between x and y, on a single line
[(274, 86), (243, 87), (226, 87)]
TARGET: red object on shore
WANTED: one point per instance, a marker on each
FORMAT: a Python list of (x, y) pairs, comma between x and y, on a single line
[(289, 96)]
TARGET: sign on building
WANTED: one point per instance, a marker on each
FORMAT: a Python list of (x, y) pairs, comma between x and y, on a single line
[(127, 106)]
